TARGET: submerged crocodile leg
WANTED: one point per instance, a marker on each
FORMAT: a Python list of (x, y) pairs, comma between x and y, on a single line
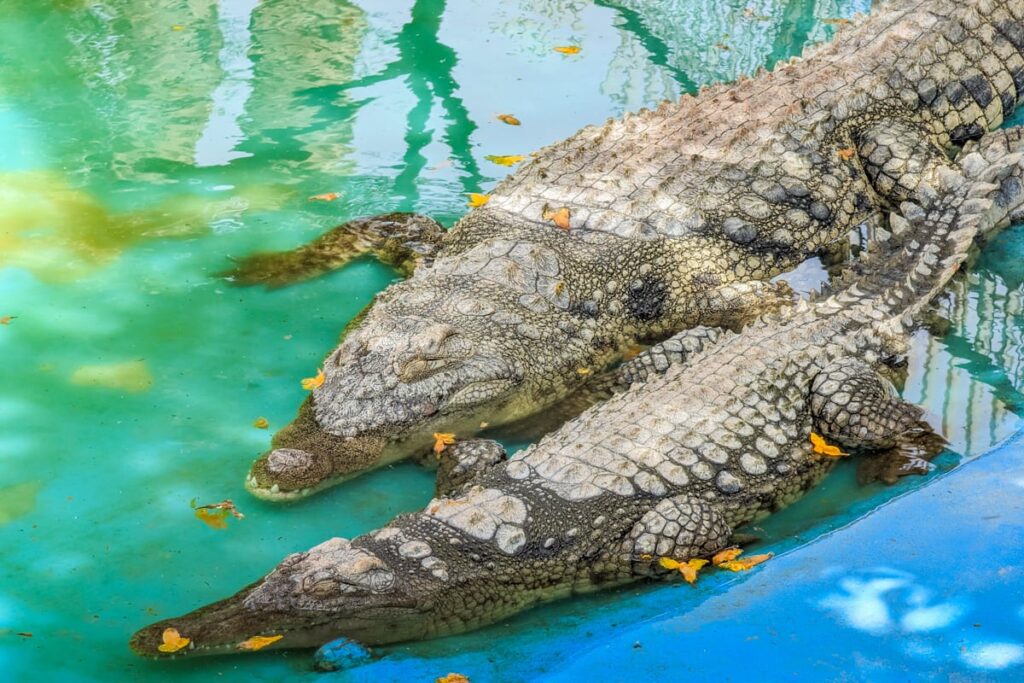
[(856, 407), (682, 528), (398, 239)]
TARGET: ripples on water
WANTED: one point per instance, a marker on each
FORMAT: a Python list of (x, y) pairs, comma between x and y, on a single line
[(143, 143)]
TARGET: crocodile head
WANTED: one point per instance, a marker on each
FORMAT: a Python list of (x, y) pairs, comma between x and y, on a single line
[(403, 375), (333, 590)]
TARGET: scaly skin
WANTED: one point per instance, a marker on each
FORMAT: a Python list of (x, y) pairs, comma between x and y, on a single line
[(676, 219), (668, 468)]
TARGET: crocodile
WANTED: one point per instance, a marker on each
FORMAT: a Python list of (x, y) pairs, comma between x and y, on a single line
[(629, 232), (667, 469)]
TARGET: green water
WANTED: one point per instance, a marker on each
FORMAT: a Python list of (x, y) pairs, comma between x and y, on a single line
[(143, 143)]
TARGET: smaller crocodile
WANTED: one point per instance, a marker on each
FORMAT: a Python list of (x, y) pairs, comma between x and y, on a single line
[(627, 233), (667, 469)]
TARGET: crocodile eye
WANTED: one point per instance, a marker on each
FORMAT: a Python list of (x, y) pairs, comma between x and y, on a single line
[(380, 580), (324, 588)]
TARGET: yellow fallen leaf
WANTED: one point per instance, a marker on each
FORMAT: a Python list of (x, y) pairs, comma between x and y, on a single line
[(745, 563), (726, 555), (509, 119), (311, 383), (847, 153), (261, 423), (452, 678), (177, 27), (688, 569), (442, 440), (582, 372), (485, 425), (476, 199), (824, 448), (215, 519), (632, 352), (6, 320), (325, 197), (568, 49), (507, 160), (172, 641), (258, 642), (560, 217)]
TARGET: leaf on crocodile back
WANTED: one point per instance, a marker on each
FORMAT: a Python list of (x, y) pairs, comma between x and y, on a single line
[(311, 383), (823, 447), (743, 564), (476, 199), (726, 555), (173, 641), (505, 160), (688, 569), (560, 216), (442, 441), (258, 642), (847, 153), (509, 119), (452, 678), (568, 49)]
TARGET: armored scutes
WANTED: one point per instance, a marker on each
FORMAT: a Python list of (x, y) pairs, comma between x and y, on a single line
[(666, 469), (634, 230)]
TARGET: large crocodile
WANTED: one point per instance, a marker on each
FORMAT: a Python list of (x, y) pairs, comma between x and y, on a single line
[(634, 230), (667, 469)]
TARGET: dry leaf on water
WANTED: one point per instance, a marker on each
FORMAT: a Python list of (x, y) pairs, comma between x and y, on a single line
[(476, 199), (325, 197), (568, 49), (506, 160), (311, 383), (509, 119), (745, 563), (258, 642), (688, 569), (726, 555), (261, 423), (452, 678)]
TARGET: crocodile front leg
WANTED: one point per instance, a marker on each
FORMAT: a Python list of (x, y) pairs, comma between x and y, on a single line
[(398, 239), (463, 461)]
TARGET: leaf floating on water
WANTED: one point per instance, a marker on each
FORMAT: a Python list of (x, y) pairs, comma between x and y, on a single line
[(325, 197), (823, 447), (568, 49), (442, 441), (743, 564), (6, 320), (560, 216), (726, 555), (688, 569), (261, 423), (311, 383), (177, 27), (23, 634), (215, 515), (507, 160), (452, 678), (509, 119), (258, 642), (173, 641), (476, 199)]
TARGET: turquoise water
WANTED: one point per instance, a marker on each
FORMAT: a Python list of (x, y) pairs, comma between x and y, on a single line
[(145, 143)]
